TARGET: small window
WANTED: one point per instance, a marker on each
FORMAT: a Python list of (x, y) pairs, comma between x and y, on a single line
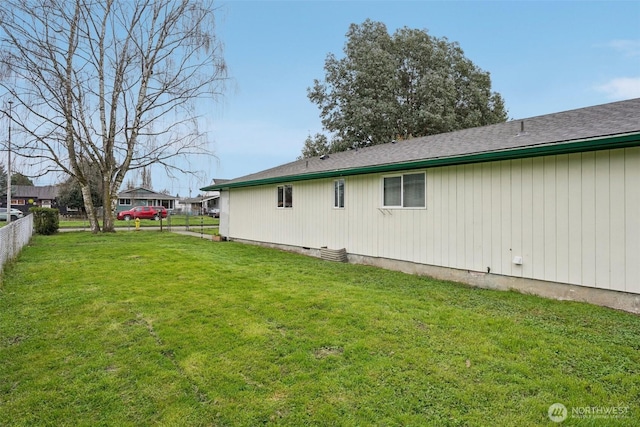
[(124, 202), (406, 191), (338, 193), (285, 196)]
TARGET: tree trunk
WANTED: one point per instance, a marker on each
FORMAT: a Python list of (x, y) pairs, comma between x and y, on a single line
[(108, 225), (108, 207), (91, 211)]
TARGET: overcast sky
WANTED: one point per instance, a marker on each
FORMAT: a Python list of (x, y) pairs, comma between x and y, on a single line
[(544, 57)]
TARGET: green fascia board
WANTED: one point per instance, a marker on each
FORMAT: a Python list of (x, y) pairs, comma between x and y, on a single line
[(578, 146)]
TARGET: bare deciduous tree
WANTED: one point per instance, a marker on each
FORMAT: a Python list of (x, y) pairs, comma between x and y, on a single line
[(115, 82)]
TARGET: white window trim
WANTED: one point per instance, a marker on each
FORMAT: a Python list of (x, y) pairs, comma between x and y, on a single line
[(401, 175), (283, 186)]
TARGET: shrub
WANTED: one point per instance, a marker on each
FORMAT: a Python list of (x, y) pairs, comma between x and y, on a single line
[(45, 220)]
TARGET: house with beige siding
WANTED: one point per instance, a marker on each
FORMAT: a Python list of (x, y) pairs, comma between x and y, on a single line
[(548, 205)]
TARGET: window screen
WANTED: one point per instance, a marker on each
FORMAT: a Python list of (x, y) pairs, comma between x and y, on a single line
[(413, 190), (392, 191)]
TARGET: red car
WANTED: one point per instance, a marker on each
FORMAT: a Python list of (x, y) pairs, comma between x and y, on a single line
[(143, 212)]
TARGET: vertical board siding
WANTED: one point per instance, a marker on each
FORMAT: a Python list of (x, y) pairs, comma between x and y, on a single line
[(429, 235), (495, 215), (225, 208), (528, 232), (572, 218), (485, 211), (550, 232), (603, 219), (506, 219), (469, 219), (562, 218), (537, 221), (478, 218), (444, 207), (460, 214), (588, 213), (516, 248), (617, 211), (436, 210), (632, 222)]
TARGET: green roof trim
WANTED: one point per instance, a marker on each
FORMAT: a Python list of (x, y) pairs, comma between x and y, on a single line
[(578, 146)]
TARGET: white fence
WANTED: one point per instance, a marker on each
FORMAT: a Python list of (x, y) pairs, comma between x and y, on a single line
[(13, 238)]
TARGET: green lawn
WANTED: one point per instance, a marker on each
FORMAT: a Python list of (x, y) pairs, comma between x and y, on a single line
[(152, 328)]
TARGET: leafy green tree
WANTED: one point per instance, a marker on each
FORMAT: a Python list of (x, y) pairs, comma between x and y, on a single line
[(20, 179), (70, 194), (409, 84), (315, 146), (70, 191), (3, 181)]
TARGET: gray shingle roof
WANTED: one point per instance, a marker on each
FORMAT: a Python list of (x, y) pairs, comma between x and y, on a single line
[(607, 120), (141, 193), (46, 192)]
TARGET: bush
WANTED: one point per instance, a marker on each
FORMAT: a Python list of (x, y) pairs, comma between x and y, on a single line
[(45, 220)]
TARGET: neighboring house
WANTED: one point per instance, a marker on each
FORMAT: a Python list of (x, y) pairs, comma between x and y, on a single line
[(211, 198), (191, 206), (143, 197), (547, 205), (204, 204), (24, 197)]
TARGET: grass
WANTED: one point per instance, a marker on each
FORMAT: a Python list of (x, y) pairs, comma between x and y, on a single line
[(153, 328)]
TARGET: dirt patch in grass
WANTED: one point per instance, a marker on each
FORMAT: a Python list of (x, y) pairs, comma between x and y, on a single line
[(323, 352)]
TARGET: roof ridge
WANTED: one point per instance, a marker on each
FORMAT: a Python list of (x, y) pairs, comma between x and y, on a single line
[(581, 124)]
